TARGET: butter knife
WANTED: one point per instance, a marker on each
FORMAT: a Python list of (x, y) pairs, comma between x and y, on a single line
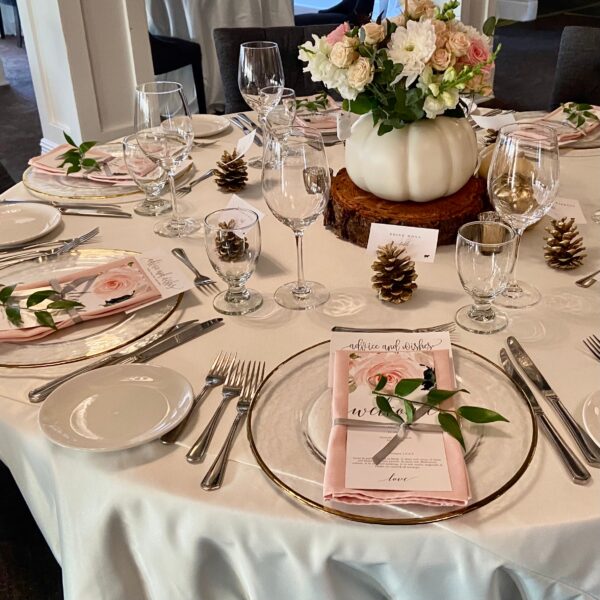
[(578, 472), (590, 451)]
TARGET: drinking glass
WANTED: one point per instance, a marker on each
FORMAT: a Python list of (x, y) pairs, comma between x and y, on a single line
[(260, 67), (232, 238), (149, 176), (295, 183), (164, 132), (282, 113), (484, 259), (522, 185)]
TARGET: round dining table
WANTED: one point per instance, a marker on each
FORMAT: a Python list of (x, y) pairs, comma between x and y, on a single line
[(136, 524)]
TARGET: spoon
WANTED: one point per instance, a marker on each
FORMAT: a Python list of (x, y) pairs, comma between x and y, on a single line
[(588, 280)]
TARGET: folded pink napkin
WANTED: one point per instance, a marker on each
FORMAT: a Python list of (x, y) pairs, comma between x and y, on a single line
[(335, 467), (104, 290), (50, 163), (567, 133), (324, 120)]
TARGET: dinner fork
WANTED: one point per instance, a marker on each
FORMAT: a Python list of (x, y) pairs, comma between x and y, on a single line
[(215, 376), (187, 188), (232, 388), (255, 376), (200, 280), (593, 345)]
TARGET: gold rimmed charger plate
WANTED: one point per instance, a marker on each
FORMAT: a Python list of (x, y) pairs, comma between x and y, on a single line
[(278, 439), (88, 339)]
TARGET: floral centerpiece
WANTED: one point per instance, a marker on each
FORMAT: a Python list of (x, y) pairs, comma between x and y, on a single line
[(404, 70)]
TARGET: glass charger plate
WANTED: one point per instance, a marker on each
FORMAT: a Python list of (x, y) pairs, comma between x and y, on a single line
[(277, 431), (87, 339)]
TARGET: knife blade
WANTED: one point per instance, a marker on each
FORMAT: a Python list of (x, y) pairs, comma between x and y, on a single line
[(590, 451), (95, 212), (578, 472), (246, 119), (43, 391), (239, 123), (58, 204)]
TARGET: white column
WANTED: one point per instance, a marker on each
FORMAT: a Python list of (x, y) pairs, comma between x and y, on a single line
[(475, 12), (517, 10), (86, 57)]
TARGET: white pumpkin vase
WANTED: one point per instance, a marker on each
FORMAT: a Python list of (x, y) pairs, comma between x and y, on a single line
[(423, 161)]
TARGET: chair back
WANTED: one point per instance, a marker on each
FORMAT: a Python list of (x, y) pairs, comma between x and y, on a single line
[(577, 75), (227, 43)]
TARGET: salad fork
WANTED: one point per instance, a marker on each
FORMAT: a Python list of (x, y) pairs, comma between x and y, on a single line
[(200, 280), (232, 388), (215, 376), (255, 376), (593, 345)]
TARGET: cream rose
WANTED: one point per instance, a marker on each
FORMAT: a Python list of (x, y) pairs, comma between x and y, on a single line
[(342, 56), (421, 8), (441, 33), (458, 43), (442, 59), (398, 20), (374, 33), (350, 42), (360, 73)]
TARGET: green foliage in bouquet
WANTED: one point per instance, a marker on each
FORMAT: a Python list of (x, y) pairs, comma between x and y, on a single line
[(75, 157)]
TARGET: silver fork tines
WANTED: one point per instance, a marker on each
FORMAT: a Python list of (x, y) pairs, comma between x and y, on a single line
[(255, 376), (232, 388), (593, 345), (215, 376)]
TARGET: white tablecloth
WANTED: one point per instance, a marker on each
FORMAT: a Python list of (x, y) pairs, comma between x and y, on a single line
[(197, 19), (135, 525)]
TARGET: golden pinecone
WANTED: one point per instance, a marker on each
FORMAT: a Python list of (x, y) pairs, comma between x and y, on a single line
[(394, 274), (563, 249), (230, 246), (232, 172)]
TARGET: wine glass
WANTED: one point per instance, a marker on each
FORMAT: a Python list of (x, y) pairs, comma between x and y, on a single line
[(522, 185), (282, 113), (232, 238), (148, 176), (164, 132), (484, 259), (259, 67), (295, 183)]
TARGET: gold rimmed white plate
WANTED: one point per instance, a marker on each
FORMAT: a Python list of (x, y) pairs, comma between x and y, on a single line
[(278, 440), (87, 339)]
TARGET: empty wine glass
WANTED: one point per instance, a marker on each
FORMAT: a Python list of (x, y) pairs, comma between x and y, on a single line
[(295, 183), (164, 132), (283, 113), (522, 184), (232, 238), (484, 259), (149, 176)]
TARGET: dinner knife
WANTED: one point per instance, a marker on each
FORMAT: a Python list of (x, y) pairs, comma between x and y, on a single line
[(590, 451), (57, 204), (246, 119), (174, 332), (578, 472), (95, 212), (246, 130)]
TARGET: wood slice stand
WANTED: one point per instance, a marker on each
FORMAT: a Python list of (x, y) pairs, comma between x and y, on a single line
[(351, 210)]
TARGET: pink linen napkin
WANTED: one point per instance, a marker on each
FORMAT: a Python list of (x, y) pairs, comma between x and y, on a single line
[(104, 290), (565, 132), (323, 121), (335, 467), (49, 162)]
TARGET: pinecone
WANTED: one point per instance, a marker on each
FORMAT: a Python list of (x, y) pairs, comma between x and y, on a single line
[(230, 246), (563, 249), (232, 173), (394, 274)]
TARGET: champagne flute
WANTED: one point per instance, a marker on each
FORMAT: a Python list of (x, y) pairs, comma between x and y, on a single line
[(164, 132), (295, 183), (522, 185), (149, 177), (259, 67), (484, 259)]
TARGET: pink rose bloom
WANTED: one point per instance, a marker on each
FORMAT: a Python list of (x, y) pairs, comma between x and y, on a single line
[(337, 35), (395, 366), (441, 59), (478, 52), (115, 283)]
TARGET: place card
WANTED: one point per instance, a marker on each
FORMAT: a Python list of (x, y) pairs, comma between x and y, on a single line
[(569, 208), (494, 122), (236, 202), (421, 243)]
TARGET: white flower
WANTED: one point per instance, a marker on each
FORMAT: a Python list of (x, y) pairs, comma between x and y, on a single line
[(412, 46), (433, 107)]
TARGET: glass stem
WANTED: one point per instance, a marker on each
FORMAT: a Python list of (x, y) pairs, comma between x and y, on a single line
[(482, 311), (174, 205), (513, 288), (300, 283)]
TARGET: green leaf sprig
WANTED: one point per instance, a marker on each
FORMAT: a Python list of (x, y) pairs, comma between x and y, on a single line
[(75, 157), (579, 114), (319, 102), (449, 419), (13, 308)]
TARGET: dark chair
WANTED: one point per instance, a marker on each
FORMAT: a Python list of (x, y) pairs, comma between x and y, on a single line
[(6, 181), (169, 54), (577, 75), (12, 3), (227, 43), (356, 12)]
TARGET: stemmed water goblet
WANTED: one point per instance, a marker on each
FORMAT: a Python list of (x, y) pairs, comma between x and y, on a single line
[(484, 259), (295, 183), (522, 185), (260, 67), (149, 176), (164, 132), (283, 112), (232, 238)]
